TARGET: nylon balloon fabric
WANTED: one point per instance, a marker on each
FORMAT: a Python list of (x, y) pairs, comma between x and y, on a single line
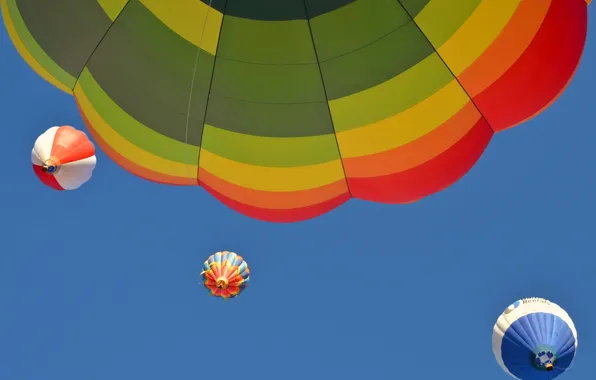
[(225, 274), (285, 110), (63, 158), (534, 339)]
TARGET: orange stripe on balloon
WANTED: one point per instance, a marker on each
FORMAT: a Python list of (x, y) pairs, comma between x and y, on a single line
[(507, 47), (430, 177), (416, 152), (236, 281), (71, 145), (272, 200), (279, 215), (131, 166), (542, 71), (216, 269)]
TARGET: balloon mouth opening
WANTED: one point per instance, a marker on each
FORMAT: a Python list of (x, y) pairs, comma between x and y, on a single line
[(545, 360), (49, 167), (222, 283)]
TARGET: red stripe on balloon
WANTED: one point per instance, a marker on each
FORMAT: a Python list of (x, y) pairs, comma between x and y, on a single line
[(280, 215), (542, 72), (47, 179), (430, 177)]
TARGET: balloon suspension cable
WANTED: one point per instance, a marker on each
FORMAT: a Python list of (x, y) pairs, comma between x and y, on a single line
[(192, 85)]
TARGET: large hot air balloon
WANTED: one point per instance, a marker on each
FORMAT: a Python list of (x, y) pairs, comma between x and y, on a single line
[(63, 158), (225, 274), (284, 110), (534, 339)]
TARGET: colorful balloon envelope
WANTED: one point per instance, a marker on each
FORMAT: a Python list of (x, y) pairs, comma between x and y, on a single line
[(63, 158), (225, 274), (284, 112), (534, 339)]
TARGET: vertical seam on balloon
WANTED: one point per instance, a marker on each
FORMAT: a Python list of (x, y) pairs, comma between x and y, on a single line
[(447, 66), (98, 44), (223, 17), (312, 38), (534, 320), (192, 86)]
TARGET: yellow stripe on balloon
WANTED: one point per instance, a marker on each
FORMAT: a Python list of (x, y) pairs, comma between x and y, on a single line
[(187, 18), (390, 97), (112, 8), (406, 126), (24, 52), (475, 35), (459, 51), (271, 179), (127, 149)]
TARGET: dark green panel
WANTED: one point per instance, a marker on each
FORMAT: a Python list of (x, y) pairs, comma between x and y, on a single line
[(266, 42), (67, 30), (267, 81), (271, 10), (277, 10), (268, 100), (269, 119), (356, 26), (414, 6), (147, 69), (376, 63), (319, 7), (269, 72)]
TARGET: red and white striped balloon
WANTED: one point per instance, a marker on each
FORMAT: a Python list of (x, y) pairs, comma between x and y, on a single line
[(63, 158)]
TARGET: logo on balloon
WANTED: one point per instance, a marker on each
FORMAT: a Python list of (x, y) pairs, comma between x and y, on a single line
[(512, 307)]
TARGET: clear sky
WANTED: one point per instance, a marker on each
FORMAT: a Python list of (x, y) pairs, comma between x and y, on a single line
[(102, 283)]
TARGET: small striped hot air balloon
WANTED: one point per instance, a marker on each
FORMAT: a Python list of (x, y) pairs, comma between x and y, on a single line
[(63, 158), (225, 274), (534, 339)]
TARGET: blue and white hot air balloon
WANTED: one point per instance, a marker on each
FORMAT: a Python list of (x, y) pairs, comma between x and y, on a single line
[(534, 339)]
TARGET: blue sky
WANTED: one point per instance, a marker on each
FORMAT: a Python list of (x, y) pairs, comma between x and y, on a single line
[(102, 283)]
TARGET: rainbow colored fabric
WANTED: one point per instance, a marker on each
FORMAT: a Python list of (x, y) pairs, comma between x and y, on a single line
[(284, 110), (230, 266)]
